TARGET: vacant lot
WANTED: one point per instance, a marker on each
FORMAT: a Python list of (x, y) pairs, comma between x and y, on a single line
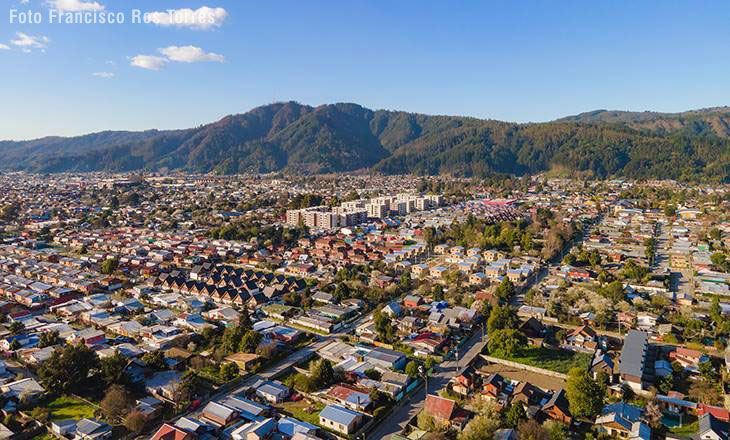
[(539, 380), (303, 410), (65, 408), (558, 360)]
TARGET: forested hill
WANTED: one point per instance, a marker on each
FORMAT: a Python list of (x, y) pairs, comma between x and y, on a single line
[(344, 137), (715, 120)]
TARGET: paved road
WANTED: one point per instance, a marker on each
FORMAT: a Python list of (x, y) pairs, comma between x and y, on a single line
[(411, 406)]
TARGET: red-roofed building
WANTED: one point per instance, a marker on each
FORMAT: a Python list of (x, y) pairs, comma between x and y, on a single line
[(441, 409), (446, 411), (715, 411), (169, 432)]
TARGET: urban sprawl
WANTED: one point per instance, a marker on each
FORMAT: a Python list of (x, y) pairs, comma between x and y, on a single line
[(186, 307)]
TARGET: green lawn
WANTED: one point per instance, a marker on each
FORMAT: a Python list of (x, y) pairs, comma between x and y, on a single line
[(560, 361), (302, 410), (688, 429), (65, 408)]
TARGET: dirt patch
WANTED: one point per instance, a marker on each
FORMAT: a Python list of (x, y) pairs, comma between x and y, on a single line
[(539, 380)]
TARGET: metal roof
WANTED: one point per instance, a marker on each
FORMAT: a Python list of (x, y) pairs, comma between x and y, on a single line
[(633, 353), (339, 414)]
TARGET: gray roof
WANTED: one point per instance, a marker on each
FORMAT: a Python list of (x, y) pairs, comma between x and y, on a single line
[(218, 410), (708, 422), (91, 426), (633, 353)]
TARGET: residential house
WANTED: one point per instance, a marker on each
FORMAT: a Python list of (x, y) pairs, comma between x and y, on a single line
[(340, 419), (218, 414), (712, 428), (272, 391), (92, 429), (170, 432), (445, 411), (633, 359), (582, 338), (557, 408)]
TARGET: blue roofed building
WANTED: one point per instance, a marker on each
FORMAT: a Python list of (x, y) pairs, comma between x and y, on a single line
[(289, 427), (623, 421), (340, 419)]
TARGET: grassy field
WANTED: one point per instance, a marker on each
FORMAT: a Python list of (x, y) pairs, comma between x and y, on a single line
[(65, 408), (302, 410), (560, 361)]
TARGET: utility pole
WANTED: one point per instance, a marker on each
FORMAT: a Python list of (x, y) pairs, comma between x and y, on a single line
[(425, 376)]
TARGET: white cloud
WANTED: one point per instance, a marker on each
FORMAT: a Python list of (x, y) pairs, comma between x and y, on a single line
[(28, 42), (75, 5), (24, 2), (148, 62), (190, 54), (103, 74), (4, 47), (203, 18)]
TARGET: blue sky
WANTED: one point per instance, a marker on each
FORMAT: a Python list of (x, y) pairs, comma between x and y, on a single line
[(508, 60)]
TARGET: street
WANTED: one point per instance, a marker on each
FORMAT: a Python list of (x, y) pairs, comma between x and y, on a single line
[(411, 406)]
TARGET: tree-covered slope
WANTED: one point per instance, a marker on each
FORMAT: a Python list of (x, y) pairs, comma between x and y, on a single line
[(346, 137)]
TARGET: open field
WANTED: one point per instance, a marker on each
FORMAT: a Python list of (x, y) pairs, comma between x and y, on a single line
[(558, 360), (64, 408)]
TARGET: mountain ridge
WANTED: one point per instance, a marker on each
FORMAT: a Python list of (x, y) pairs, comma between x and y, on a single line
[(292, 137)]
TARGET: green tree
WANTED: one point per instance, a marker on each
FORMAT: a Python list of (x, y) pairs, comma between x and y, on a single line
[(48, 339), (154, 359), (112, 369), (506, 343), (614, 291), (321, 373), (556, 430), (372, 373), (342, 291), (531, 430), (383, 326), (505, 290), (412, 369), (231, 340), (585, 395), (250, 341), (719, 260), (228, 371), (68, 370), (429, 364), (502, 317), (109, 266), (481, 427), (514, 415), (16, 328), (715, 234)]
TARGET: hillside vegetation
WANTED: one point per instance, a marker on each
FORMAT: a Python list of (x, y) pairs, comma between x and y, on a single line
[(297, 138)]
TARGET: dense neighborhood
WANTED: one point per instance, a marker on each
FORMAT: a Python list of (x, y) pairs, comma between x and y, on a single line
[(362, 307)]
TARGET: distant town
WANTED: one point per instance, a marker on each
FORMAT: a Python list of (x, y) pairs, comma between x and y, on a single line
[(351, 306)]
